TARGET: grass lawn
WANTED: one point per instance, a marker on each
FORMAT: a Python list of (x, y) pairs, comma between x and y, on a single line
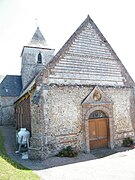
[(11, 170)]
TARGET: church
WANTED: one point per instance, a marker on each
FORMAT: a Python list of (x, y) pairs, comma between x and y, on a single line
[(81, 97)]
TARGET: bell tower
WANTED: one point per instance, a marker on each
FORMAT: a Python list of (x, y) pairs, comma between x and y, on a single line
[(35, 56)]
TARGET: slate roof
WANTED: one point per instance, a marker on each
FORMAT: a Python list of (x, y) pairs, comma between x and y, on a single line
[(11, 86), (38, 39), (88, 59)]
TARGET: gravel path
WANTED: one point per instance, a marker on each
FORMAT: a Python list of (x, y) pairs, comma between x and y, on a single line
[(119, 166)]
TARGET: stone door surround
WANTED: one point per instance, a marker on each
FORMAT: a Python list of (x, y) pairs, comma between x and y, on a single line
[(97, 101)]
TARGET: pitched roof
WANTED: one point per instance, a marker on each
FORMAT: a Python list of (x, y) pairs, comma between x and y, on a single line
[(11, 86), (87, 58), (38, 39)]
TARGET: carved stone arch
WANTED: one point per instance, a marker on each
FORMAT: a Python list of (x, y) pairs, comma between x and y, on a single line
[(98, 100), (105, 109)]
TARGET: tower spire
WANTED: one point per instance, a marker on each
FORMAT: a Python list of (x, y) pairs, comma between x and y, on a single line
[(38, 39)]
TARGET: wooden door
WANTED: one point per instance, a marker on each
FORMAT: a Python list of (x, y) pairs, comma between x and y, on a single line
[(99, 133)]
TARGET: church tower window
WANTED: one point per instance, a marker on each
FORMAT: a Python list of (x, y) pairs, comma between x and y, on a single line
[(39, 60)]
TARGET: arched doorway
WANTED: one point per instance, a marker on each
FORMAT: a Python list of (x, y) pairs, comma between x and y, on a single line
[(98, 130)]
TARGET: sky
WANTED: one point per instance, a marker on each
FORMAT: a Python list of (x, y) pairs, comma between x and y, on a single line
[(57, 20)]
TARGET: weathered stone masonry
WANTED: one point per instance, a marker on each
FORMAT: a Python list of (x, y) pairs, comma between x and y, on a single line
[(84, 78), (65, 118)]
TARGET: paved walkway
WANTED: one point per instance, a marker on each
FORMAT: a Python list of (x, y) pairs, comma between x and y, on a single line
[(9, 137), (118, 166)]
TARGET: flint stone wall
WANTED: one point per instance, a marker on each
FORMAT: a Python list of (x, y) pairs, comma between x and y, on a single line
[(7, 110), (123, 113), (57, 118)]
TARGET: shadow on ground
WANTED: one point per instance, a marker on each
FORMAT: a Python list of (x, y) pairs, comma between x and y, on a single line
[(100, 153), (9, 141)]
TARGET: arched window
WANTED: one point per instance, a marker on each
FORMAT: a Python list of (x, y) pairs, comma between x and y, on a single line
[(39, 61), (97, 114)]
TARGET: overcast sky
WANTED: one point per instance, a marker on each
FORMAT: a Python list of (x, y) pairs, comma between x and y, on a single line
[(57, 20)]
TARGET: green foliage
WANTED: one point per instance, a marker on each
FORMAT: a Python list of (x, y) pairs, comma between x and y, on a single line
[(12, 170), (68, 152), (127, 142)]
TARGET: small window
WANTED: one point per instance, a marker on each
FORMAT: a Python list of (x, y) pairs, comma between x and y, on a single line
[(97, 114), (39, 61)]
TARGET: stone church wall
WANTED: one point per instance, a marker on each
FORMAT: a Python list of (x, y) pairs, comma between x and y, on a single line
[(57, 118), (123, 113), (7, 110), (59, 122), (39, 124), (65, 112)]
